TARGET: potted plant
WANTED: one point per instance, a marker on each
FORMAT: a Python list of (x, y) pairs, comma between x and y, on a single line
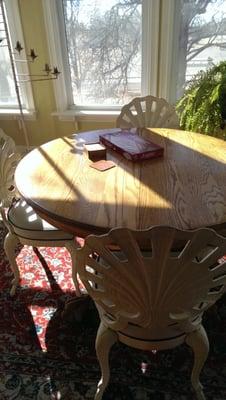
[(202, 108)]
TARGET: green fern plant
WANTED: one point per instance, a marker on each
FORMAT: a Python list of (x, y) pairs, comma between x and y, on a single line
[(202, 108)]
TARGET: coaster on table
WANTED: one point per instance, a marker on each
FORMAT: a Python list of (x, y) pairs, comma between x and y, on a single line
[(103, 165), (96, 151)]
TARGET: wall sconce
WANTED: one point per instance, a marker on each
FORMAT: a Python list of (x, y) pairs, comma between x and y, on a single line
[(48, 74)]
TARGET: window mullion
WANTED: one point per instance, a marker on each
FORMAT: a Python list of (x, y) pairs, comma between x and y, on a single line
[(150, 46), (168, 33), (53, 14)]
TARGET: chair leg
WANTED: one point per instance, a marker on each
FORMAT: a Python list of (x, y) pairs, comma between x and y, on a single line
[(72, 250), (10, 244), (104, 341), (199, 343)]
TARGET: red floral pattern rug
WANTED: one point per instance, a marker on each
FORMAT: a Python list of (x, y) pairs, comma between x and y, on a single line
[(44, 357)]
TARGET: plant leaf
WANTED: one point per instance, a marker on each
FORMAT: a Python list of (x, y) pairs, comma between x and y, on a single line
[(215, 93)]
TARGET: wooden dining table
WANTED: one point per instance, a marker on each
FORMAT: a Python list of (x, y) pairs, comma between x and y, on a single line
[(186, 188)]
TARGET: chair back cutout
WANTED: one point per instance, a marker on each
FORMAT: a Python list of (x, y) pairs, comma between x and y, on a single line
[(8, 162), (149, 112)]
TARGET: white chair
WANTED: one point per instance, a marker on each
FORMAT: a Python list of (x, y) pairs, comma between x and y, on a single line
[(24, 225), (148, 111), (156, 299)]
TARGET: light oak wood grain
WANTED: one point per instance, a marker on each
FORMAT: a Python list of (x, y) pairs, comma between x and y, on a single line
[(185, 189)]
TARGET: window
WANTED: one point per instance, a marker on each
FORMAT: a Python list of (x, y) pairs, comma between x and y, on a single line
[(101, 53), (106, 36), (7, 88), (202, 39), (8, 97), (111, 51)]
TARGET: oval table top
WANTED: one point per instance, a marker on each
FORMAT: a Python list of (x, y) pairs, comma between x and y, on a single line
[(186, 188)]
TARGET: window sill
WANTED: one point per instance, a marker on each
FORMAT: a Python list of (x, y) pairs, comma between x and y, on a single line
[(12, 113), (87, 115)]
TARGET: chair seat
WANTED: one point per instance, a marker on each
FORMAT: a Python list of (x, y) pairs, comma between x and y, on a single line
[(152, 334), (27, 224)]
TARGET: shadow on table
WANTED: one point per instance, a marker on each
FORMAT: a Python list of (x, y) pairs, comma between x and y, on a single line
[(187, 187)]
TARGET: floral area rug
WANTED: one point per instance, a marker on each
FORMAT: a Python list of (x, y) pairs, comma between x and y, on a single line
[(45, 357)]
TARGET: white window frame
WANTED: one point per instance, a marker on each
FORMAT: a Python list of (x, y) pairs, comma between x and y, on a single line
[(65, 109), (16, 33), (168, 54), (161, 22)]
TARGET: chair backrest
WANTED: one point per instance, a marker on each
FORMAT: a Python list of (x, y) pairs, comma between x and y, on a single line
[(149, 112), (8, 162), (156, 288)]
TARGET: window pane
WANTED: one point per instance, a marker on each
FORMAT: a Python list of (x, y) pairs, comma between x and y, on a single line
[(104, 48), (202, 39), (7, 88)]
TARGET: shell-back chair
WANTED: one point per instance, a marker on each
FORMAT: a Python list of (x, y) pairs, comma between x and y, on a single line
[(153, 300), (148, 111), (23, 224)]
